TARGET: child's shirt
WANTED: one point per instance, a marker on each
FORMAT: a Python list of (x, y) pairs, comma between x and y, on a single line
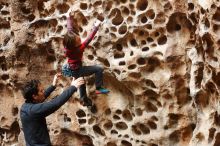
[(74, 55)]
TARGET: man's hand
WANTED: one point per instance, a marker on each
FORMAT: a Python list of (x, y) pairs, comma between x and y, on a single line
[(78, 82), (55, 79), (97, 23)]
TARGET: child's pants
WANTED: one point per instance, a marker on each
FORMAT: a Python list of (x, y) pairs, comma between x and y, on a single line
[(84, 71)]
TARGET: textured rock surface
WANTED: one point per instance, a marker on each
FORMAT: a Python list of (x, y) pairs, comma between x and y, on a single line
[(161, 62)]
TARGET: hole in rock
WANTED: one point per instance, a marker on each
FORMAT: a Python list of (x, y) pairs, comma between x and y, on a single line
[(162, 40), (59, 29), (106, 63), (14, 111), (126, 114), (108, 111), (90, 57), (141, 61), (133, 42), (177, 27), (66, 118), (145, 49), (150, 107), (118, 19), (150, 14), (116, 117), (117, 71), (119, 47), (15, 128), (135, 75), (139, 111), (5, 77), (152, 124), (111, 144), (25, 10), (141, 33), (150, 83), (144, 19), (114, 132), (98, 130), (135, 130), (123, 1), (91, 120), (118, 111), (216, 15), (217, 140), (211, 134), (121, 126), (121, 63), (142, 5), (31, 17), (143, 42), (108, 125), (149, 26), (149, 39), (80, 113), (190, 6), (5, 12), (122, 29), (144, 129), (83, 6), (129, 19), (118, 55), (132, 66), (82, 121), (63, 8), (125, 11)]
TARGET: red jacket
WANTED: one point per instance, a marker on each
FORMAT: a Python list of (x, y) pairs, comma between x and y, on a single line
[(74, 55)]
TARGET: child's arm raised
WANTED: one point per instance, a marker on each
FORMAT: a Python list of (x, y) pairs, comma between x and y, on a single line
[(91, 35), (69, 24)]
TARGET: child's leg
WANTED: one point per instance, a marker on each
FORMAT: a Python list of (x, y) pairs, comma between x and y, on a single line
[(67, 71), (82, 91), (98, 70)]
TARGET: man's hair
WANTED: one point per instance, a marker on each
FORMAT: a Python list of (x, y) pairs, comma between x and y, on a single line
[(69, 41), (30, 89)]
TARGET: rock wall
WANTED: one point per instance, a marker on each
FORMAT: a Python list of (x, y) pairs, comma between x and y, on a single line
[(161, 60)]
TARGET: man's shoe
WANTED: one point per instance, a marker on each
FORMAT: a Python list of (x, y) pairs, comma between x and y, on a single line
[(101, 90)]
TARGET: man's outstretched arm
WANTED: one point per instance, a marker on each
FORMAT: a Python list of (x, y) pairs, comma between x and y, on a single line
[(51, 88), (46, 108)]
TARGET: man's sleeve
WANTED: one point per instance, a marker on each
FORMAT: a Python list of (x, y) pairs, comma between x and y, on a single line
[(89, 38), (49, 90), (46, 108)]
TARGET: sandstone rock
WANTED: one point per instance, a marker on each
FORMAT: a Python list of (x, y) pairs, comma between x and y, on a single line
[(161, 61)]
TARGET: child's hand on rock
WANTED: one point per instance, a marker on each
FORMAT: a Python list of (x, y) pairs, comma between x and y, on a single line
[(97, 23)]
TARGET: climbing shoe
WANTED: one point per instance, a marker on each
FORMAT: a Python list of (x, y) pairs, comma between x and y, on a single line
[(101, 90)]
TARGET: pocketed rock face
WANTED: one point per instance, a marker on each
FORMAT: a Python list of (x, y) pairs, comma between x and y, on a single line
[(161, 61)]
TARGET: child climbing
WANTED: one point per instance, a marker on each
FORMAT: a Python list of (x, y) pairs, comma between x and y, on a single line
[(74, 68)]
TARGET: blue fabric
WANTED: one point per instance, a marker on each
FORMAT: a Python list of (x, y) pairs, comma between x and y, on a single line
[(102, 90), (84, 71), (33, 117)]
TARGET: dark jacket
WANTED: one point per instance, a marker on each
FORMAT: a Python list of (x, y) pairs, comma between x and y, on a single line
[(33, 117)]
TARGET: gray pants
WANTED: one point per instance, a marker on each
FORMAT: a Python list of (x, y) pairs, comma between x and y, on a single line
[(85, 71)]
